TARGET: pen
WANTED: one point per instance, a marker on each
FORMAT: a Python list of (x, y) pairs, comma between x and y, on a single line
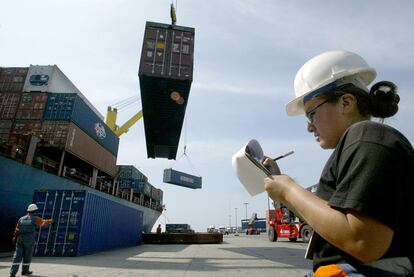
[(284, 155)]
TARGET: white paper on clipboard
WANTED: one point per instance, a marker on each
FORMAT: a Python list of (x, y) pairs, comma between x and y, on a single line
[(249, 169)]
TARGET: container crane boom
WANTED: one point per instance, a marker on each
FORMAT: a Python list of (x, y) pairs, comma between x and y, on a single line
[(119, 130)]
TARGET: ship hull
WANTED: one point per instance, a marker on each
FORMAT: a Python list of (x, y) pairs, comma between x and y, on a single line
[(17, 185)]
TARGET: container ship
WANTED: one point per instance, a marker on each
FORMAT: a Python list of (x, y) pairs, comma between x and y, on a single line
[(56, 151)]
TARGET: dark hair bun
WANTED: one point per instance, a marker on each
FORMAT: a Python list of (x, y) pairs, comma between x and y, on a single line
[(384, 99)]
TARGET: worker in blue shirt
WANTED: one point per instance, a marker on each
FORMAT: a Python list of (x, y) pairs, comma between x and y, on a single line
[(24, 239)]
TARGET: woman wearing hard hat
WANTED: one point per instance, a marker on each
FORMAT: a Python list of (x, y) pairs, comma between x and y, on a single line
[(360, 213), (24, 238)]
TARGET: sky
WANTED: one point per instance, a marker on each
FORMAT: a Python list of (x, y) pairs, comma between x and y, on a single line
[(247, 53)]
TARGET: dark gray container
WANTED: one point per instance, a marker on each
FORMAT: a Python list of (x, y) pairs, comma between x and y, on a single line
[(85, 222), (165, 76), (70, 106), (178, 178)]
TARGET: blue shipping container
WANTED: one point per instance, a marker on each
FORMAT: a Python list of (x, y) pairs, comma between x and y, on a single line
[(137, 185), (85, 222), (175, 177), (258, 224), (70, 106)]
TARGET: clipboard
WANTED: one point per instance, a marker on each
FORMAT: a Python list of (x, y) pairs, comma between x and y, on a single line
[(248, 167), (257, 161)]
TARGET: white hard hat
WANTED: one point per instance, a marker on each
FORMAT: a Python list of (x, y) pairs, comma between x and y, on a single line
[(32, 208), (328, 71)]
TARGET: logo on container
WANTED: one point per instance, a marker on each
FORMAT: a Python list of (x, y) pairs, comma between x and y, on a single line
[(100, 130), (39, 79)]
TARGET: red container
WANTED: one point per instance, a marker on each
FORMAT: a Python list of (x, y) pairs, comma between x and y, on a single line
[(32, 105), (68, 136), (12, 78), (167, 51), (22, 129), (9, 102)]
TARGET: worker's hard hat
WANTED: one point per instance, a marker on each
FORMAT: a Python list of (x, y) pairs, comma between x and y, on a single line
[(326, 72), (32, 208)]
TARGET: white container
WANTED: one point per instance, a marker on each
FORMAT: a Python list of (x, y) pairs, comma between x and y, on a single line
[(49, 78)]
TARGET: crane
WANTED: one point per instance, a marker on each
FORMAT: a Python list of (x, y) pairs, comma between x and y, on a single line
[(111, 117)]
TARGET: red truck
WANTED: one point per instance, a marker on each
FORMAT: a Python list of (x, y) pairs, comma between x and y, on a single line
[(283, 223)]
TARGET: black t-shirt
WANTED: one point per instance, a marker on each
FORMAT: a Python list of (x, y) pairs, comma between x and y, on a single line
[(370, 171)]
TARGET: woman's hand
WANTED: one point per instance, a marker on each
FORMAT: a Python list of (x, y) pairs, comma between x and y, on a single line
[(270, 164), (277, 186)]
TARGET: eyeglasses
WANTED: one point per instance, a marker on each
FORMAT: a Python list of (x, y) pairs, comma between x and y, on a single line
[(311, 114)]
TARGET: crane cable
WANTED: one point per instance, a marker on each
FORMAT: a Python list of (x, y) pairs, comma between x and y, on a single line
[(126, 103), (185, 151)]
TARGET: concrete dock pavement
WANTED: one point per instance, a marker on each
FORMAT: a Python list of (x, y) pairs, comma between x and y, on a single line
[(236, 256)]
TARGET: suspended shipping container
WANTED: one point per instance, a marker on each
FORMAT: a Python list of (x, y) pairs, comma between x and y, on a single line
[(181, 179), (68, 136), (49, 78), (85, 222), (71, 107), (165, 74), (12, 78)]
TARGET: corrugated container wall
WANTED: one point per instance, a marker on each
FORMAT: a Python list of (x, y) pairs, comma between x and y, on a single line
[(70, 106), (9, 101), (130, 177), (85, 222), (68, 136), (49, 78), (165, 74), (32, 105), (147, 189), (24, 128), (12, 78), (181, 179), (5, 128), (138, 186), (131, 172), (167, 51)]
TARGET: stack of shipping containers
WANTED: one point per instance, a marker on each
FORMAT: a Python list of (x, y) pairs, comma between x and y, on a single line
[(133, 184), (41, 102), (48, 124), (11, 89)]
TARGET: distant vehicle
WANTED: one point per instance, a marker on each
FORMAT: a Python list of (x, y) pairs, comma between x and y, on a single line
[(212, 229), (223, 230), (251, 229)]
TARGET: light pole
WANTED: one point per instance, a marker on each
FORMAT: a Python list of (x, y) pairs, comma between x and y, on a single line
[(230, 222), (236, 218), (246, 208)]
